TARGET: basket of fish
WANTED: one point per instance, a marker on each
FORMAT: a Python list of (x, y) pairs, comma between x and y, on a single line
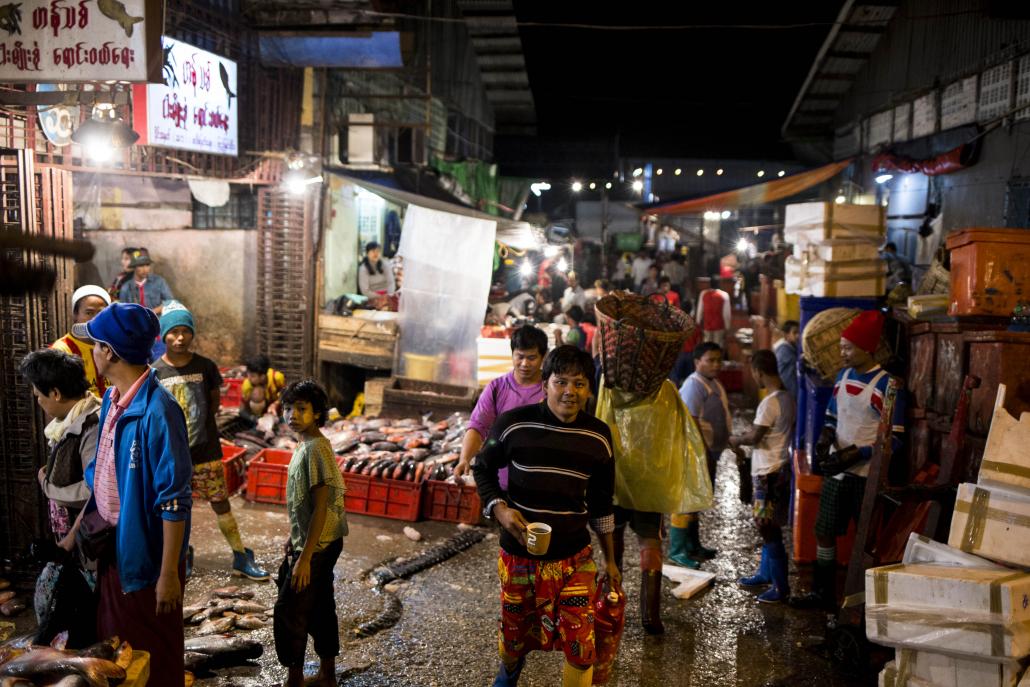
[(386, 461)]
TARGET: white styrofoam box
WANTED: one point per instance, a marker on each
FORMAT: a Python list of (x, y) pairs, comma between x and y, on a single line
[(889, 677), (845, 250), (1006, 459), (972, 612), (832, 221), (993, 522), (921, 549), (947, 670), (836, 279)]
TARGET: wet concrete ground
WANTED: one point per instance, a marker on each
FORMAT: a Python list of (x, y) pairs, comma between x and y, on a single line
[(447, 633)]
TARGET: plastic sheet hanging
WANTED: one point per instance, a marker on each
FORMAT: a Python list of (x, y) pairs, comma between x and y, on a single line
[(660, 464)]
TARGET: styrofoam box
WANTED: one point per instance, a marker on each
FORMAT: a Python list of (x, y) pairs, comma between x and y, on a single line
[(948, 609), (1006, 460), (889, 678), (946, 670), (833, 221), (1001, 532), (821, 278), (845, 250), (921, 549)]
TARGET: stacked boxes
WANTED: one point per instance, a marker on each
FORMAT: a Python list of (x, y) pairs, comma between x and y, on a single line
[(835, 250), (958, 615)]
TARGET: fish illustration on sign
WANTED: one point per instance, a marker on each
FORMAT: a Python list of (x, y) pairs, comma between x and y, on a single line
[(222, 72), (10, 18), (168, 68), (114, 9)]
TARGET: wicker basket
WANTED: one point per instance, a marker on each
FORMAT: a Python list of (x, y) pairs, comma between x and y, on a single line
[(820, 344), (640, 341)]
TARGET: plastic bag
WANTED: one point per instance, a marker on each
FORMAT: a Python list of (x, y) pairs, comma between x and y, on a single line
[(660, 462)]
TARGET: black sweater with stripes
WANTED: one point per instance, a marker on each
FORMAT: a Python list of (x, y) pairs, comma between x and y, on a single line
[(562, 474)]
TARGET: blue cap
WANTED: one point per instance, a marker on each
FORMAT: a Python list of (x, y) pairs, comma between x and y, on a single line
[(175, 314), (128, 329)]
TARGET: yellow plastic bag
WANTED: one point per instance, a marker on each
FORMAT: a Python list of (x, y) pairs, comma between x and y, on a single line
[(660, 464)]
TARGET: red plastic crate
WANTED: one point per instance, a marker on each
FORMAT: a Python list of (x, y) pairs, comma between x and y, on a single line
[(451, 502), (232, 393), (266, 476), (386, 498)]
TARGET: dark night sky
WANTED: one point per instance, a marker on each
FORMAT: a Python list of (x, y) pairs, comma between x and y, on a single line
[(711, 92)]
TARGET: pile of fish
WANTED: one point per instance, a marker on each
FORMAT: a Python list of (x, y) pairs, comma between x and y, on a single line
[(9, 605), (226, 609), (407, 449), (25, 665)]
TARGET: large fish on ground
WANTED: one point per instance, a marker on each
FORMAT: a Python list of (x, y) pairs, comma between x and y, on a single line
[(221, 651), (43, 662)]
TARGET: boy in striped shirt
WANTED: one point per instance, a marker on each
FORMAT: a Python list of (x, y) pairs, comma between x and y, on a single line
[(561, 471)]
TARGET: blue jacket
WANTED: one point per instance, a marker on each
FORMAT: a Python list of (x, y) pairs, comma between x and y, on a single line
[(152, 463), (155, 289)]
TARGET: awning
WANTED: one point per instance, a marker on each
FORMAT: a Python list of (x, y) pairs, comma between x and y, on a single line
[(766, 192), (370, 50), (514, 234)]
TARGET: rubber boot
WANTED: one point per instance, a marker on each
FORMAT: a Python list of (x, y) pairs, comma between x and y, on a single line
[(702, 552), (651, 602), (189, 561), (681, 548), (824, 590), (763, 576), (506, 679), (778, 569), (243, 564)]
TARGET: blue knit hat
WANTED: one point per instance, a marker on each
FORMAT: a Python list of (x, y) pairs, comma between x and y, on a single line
[(174, 314), (128, 329)]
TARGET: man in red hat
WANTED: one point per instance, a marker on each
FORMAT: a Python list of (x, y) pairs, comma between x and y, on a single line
[(846, 444)]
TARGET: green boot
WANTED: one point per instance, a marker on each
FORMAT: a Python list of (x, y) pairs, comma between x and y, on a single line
[(681, 548)]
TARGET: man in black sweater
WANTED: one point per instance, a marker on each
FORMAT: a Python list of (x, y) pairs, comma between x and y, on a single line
[(561, 472)]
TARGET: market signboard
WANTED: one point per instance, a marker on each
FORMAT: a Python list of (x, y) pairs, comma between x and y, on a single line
[(67, 41), (195, 108)]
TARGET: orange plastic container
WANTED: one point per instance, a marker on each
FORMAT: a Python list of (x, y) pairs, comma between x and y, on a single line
[(266, 476), (990, 270), (806, 509)]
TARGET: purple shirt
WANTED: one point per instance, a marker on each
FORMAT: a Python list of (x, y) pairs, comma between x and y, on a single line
[(500, 396)]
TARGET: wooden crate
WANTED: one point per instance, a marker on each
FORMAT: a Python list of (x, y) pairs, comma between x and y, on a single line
[(413, 397), (368, 342), (374, 394)]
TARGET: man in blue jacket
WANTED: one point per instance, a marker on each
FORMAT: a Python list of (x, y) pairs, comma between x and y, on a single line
[(140, 481)]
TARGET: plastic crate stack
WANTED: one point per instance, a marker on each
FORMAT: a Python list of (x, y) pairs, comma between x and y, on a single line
[(958, 615), (836, 250)]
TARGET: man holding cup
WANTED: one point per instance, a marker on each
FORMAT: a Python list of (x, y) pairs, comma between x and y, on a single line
[(561, 477)]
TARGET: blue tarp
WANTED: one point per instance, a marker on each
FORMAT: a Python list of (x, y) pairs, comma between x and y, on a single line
[(372, 50)]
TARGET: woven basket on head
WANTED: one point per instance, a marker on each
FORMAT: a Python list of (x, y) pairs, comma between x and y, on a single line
[(820, 342), (640, 340)]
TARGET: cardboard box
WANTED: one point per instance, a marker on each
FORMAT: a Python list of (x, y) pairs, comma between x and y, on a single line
[(845, 250), (969, 612), (823, 279), (946, 670), (993, 522), (1006, 459)]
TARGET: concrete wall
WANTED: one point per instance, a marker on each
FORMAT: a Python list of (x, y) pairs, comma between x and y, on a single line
[(212, 271)]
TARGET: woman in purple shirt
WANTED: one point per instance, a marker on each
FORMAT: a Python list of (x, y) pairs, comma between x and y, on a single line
[(520, 387)]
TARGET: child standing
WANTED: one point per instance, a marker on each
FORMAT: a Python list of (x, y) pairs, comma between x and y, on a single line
[(708, 404), (770, 435), (195, 382), (318, 524)]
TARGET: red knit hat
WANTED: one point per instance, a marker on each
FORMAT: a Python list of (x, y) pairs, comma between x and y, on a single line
[(865, 330)]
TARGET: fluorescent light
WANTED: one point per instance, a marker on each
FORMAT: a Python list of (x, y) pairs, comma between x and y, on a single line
[(637, 172), (700, 172), (883, 178), (678, 171), (538, 187), (718, 172), (761, 173), (725, 214)]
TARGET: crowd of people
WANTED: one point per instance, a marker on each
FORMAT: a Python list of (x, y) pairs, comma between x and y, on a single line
[(133, 439)]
